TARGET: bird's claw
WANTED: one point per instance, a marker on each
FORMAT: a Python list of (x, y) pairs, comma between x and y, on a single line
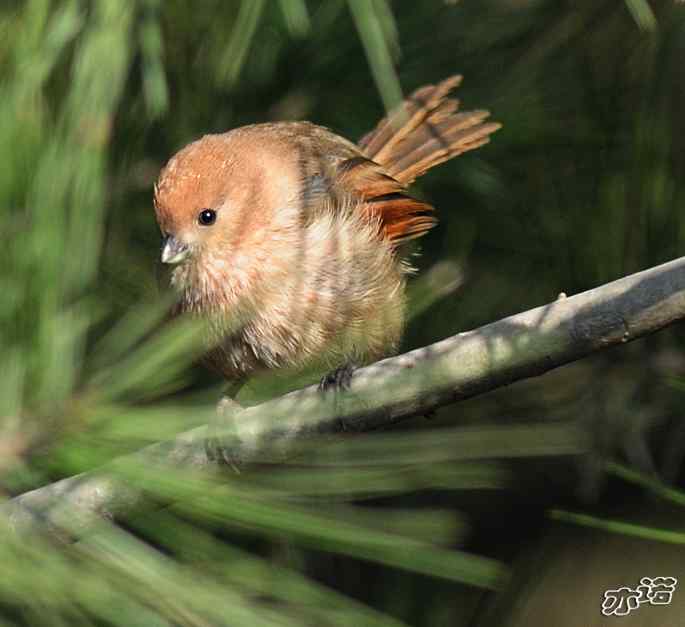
[(338, 379)]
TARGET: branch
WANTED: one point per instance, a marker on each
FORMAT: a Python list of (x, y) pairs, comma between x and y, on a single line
[(520, 346)]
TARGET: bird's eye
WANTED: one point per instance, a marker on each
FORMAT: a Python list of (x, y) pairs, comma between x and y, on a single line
[(207, 217)]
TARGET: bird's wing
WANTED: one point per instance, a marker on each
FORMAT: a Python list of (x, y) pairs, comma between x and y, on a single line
[(337, 176), (382, 197)]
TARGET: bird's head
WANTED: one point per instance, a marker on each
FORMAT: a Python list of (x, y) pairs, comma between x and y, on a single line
[(224, 204)]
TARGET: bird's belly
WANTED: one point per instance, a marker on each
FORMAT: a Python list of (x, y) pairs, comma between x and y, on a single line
[(304, 338)]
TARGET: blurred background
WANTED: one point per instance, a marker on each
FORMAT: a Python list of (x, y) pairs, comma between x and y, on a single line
[(520, 507)]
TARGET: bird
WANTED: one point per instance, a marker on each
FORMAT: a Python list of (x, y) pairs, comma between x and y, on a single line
[(290, 241)]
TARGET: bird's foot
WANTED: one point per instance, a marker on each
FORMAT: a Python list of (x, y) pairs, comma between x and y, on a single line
[(338, 379), (217, 444)]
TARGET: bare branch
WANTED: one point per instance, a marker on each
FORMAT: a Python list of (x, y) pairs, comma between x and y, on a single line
[(524, 345)]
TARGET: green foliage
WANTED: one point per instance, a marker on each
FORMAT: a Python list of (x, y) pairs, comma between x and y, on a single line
[(656, 487)]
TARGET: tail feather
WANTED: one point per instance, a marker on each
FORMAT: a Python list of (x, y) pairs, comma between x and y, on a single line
[(424, 131), (433, 144), (394, 128)]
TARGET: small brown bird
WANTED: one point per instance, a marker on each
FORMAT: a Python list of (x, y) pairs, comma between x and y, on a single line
[(288, 239)]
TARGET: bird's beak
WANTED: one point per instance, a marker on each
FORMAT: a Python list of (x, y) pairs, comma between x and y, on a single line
[(173, 250)]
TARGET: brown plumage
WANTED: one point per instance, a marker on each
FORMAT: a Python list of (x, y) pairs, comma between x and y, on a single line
[(287, 238)]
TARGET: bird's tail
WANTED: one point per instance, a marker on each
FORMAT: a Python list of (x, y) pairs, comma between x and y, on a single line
[(426, 130)]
